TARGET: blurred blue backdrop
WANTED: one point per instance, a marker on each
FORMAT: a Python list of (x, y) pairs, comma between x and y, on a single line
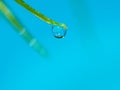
[(88, 58)]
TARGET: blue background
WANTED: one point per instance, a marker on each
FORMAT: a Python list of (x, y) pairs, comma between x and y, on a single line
[(88, 58)]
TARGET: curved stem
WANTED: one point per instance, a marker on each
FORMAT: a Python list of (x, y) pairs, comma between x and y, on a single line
[(40, 15)]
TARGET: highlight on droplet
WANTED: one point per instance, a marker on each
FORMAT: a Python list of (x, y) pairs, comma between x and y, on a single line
[(58, 31)]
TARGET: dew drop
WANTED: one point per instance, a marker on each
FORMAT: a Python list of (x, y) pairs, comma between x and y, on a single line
[(58, 32)]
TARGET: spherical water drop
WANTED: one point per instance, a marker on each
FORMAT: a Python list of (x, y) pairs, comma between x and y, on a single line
[(58, 32)]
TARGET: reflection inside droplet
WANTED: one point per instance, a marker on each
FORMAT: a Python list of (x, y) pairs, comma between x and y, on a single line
[(58, 32)]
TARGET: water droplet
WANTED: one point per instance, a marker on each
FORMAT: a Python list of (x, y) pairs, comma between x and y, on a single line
[(58, 32)]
